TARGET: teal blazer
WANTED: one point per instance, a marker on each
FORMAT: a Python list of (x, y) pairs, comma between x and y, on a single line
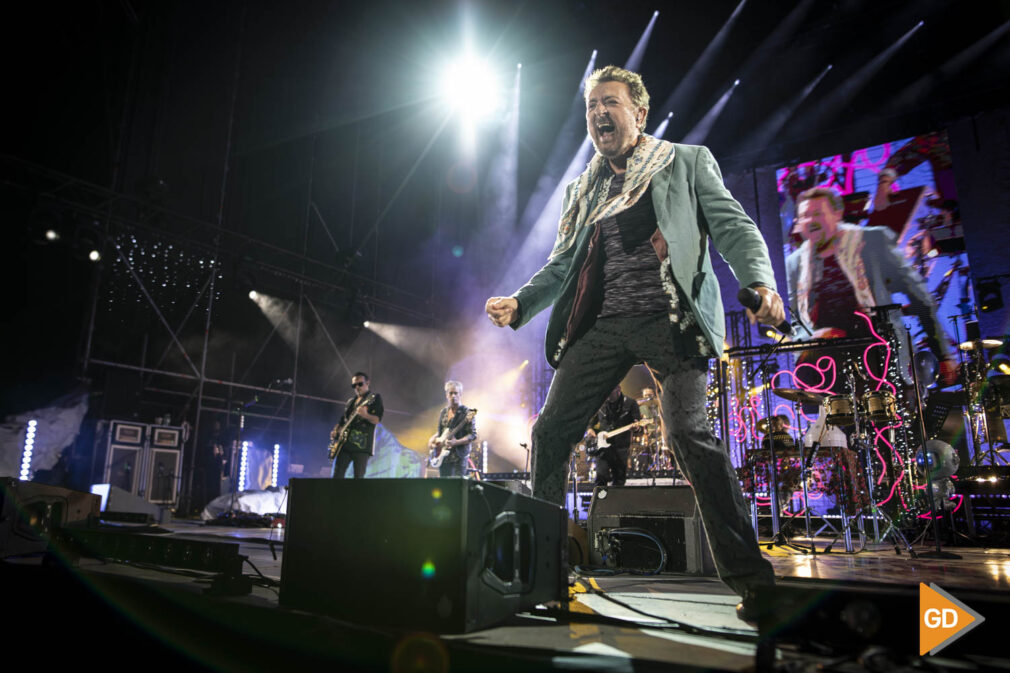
[(692, 205)]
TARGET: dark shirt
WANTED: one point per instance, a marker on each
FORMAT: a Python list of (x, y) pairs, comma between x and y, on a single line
[(361, 435), (617, 414), (467, 429), (631, 274), (835, 303)]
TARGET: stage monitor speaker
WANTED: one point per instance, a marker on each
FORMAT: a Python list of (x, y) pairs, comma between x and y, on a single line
[(442, 555), (32, 512), (669, 513), (117, 502)]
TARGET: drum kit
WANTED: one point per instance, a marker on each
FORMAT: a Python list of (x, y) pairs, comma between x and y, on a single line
[(835, 456)]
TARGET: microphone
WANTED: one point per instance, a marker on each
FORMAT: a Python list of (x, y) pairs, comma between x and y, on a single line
[(749, 298)]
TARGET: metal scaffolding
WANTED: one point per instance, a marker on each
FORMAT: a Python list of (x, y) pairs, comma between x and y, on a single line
[(123, 218)]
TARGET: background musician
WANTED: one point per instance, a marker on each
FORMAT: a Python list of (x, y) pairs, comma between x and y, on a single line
[(612, 461), (459, 442), (363, 412)]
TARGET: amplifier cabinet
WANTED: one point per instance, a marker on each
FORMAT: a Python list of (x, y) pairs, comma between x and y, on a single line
[(669, 513)]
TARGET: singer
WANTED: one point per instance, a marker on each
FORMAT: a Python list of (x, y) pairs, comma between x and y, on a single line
[(630, 280)]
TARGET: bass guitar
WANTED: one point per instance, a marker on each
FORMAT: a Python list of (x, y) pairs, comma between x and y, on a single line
[(340, 432), (602, 441), (435, 457)]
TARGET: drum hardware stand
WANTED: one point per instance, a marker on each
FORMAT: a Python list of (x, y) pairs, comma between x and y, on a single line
[(805, 463), (772, 460), (779, 538), (938, 530)]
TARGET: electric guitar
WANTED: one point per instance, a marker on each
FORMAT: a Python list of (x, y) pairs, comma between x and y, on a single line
[(339, 433), (436, 460), (602, 441)]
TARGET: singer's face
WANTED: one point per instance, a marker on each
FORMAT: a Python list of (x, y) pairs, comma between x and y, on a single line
[(612, 119), (816, 221), (453, 396)]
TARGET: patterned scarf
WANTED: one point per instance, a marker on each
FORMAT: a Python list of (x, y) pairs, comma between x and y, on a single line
[(850, 260), (589, 203)]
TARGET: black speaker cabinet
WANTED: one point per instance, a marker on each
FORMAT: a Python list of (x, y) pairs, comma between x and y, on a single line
[(442, 555), (30, 513), (670, 513)]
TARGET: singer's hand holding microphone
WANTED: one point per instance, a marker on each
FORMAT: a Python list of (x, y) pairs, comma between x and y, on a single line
[(764, 305)]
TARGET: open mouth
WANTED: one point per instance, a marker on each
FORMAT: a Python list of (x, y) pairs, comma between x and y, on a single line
[(605, 127)]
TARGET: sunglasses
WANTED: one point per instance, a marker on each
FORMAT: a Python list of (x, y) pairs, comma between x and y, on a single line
[(358, 384)]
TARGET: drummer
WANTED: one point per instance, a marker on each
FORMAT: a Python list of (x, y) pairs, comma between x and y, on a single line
[(779, 436), (648, 404)]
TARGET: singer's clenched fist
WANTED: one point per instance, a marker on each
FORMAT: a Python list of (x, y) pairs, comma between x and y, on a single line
[(502, 310)]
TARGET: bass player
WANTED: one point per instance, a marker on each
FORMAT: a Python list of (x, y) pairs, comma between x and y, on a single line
[(457, 441)]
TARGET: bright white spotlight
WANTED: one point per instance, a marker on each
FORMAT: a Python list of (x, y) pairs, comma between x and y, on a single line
[(94, 255), (366, 324), (253, 295), (471, 87), (736, 82), (52, 235)]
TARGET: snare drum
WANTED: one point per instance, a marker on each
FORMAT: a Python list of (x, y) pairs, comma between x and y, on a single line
[(881, 406), (839, 411)]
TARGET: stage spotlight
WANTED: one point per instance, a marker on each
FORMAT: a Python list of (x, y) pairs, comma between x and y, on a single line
[(253, 295), (26, 452), (990, 295), (52, 235), (472, 88), (366, 324), (88, 239), (243, 468), (736, 82), (275, 468)]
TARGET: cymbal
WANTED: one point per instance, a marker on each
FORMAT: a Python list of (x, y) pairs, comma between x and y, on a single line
[(797, 395), (762, 425), (980, 344)]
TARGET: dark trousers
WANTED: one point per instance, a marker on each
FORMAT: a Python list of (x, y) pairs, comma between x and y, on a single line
[(592, 367), (344, 459), (454, 464), (612, 466)]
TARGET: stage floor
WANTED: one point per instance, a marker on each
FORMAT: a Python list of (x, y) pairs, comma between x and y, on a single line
[(613, 619)]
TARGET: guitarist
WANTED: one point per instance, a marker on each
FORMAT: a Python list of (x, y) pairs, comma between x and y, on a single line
[(612, 462), (459, 442), (363, 411)]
